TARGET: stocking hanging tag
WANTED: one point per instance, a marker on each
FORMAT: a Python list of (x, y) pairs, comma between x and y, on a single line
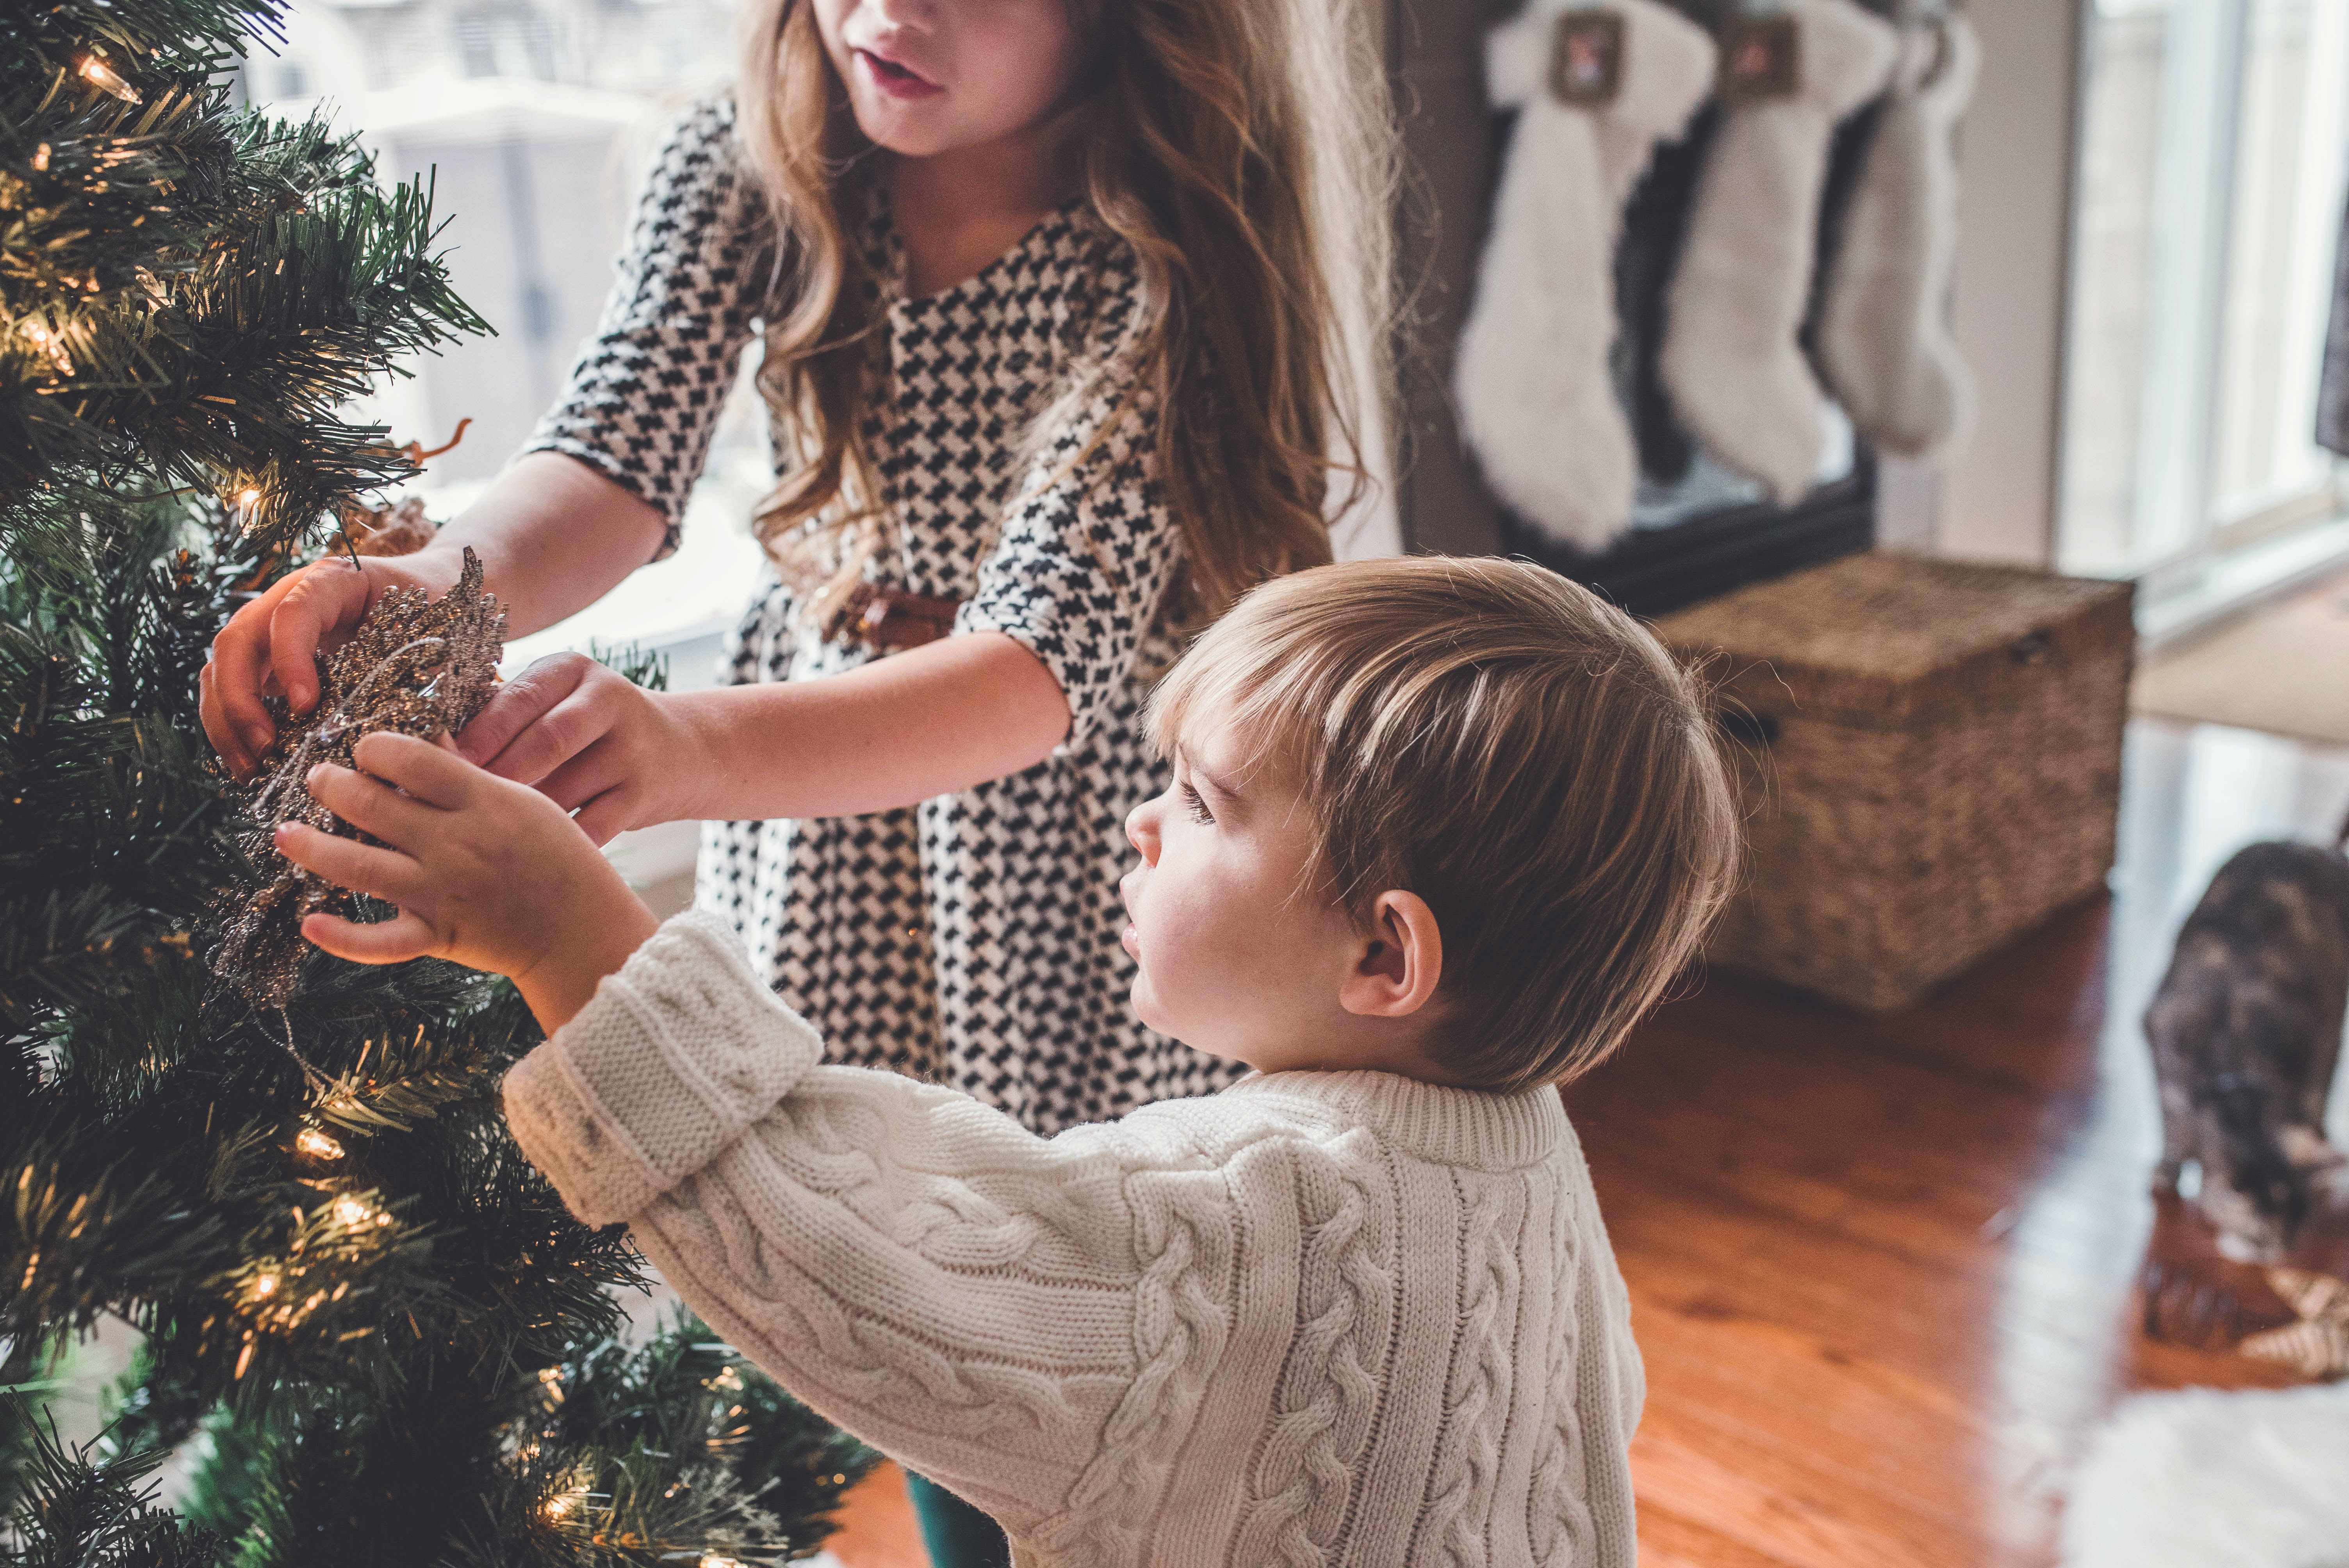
[(1586, 61), (1761, 59)]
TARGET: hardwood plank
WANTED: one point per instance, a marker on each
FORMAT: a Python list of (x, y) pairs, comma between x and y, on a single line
[(877, 1528), (1778, 1508), (1884, 1270), (1667, 1540)]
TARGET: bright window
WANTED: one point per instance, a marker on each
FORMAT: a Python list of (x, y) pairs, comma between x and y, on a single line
[(534, 120), (2208, 210)]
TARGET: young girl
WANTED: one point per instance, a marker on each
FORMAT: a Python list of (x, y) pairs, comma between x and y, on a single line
[(1051, 293)]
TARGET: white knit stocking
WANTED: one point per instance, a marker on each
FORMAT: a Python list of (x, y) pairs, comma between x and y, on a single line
[(1884, 336), (1730, 359), (1536, 399)]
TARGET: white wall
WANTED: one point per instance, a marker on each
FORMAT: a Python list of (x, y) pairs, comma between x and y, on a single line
[(1997, 500)]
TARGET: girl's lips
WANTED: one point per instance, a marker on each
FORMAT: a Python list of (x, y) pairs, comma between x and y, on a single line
[(1130, 940), (896, 80)]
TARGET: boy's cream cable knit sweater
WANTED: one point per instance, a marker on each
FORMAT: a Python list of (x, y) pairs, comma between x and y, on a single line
[(1317, 1318)]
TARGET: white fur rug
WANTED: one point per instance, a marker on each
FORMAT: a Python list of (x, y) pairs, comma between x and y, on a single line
[(2208, 1480)]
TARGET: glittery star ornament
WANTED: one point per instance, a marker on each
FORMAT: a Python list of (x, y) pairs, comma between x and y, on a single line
[(2318, 1345), (415, 667)]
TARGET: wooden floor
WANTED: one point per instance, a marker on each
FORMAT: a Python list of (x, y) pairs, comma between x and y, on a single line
[(1883, 1269)]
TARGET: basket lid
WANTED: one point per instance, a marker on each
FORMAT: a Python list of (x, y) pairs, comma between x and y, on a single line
[(1885, 636)]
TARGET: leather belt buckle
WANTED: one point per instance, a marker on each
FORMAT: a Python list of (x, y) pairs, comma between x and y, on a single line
[(889, 618)]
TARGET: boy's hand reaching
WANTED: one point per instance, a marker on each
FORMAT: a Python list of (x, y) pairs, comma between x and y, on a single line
[(488, 873)]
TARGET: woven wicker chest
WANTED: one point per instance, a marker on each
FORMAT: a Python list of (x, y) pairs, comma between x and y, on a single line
[(1930, 755)]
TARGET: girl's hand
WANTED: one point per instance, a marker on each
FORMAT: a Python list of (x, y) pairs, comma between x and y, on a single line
[(274, 643), (486, 872), (592, 742)]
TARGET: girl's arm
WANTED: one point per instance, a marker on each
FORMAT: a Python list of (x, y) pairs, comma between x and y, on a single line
[(928, 721), (554, 536), (1042, 652), (603, 485)]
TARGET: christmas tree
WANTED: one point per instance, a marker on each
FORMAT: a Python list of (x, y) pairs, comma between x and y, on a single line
[(368, 1323)]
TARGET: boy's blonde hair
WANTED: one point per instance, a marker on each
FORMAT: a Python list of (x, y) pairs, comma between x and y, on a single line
[(1244, 150), (1521, 755)]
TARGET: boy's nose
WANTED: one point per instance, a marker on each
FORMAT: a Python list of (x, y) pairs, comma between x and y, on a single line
[(1142, 830)]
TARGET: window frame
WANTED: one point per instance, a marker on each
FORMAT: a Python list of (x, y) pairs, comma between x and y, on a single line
[(2191, 547)]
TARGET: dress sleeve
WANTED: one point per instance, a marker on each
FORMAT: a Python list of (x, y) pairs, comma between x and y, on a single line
[(960, 1293), (1083, 556), (647, 390)]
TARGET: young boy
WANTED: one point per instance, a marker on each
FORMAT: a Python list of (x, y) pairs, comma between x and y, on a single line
[(1440, 831)]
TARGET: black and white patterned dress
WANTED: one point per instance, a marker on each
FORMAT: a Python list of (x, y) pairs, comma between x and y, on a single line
[(972, 939)]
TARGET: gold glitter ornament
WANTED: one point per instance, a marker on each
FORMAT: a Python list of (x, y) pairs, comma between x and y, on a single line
[(416, 667)]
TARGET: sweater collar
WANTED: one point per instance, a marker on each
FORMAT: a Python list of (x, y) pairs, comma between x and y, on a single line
[(1466, 1127)]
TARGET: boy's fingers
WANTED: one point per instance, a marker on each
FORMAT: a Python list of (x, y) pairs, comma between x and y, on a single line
[(386, 874), (386, 942), (427, 772), (372, 806)]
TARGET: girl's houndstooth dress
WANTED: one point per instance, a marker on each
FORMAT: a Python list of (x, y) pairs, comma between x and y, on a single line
[(972, 939)]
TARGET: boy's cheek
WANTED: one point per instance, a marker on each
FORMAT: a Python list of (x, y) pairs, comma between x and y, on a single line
[(1145, 1004), (1177, 983)]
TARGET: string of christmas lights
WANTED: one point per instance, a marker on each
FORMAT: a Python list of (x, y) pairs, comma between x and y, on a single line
[(369, 1328)]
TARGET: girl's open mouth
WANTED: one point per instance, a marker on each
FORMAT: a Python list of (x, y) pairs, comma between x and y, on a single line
[(894, 79)]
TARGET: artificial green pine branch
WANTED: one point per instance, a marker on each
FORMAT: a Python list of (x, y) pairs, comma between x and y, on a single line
[(78, 1510), (218, 362), (348, 1279), (654, 1452), (151, 40)]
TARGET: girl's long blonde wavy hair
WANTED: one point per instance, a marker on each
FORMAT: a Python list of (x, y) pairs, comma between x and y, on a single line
[(1244, 150)]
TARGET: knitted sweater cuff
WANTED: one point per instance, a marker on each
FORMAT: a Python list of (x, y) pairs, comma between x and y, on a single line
[(672, 1060)]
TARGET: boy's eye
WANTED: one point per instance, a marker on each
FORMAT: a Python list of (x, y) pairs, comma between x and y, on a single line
[(1198, 808)]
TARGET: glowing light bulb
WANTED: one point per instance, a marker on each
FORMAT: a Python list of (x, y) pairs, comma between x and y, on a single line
[(351, 1212), (98, 73), (266, 1284), (718, 1560), (248, 497), (47, 343), (318, 1145), (558, 1505)]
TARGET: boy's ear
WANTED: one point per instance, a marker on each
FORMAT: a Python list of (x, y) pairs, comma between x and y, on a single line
[(1401, 963)]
